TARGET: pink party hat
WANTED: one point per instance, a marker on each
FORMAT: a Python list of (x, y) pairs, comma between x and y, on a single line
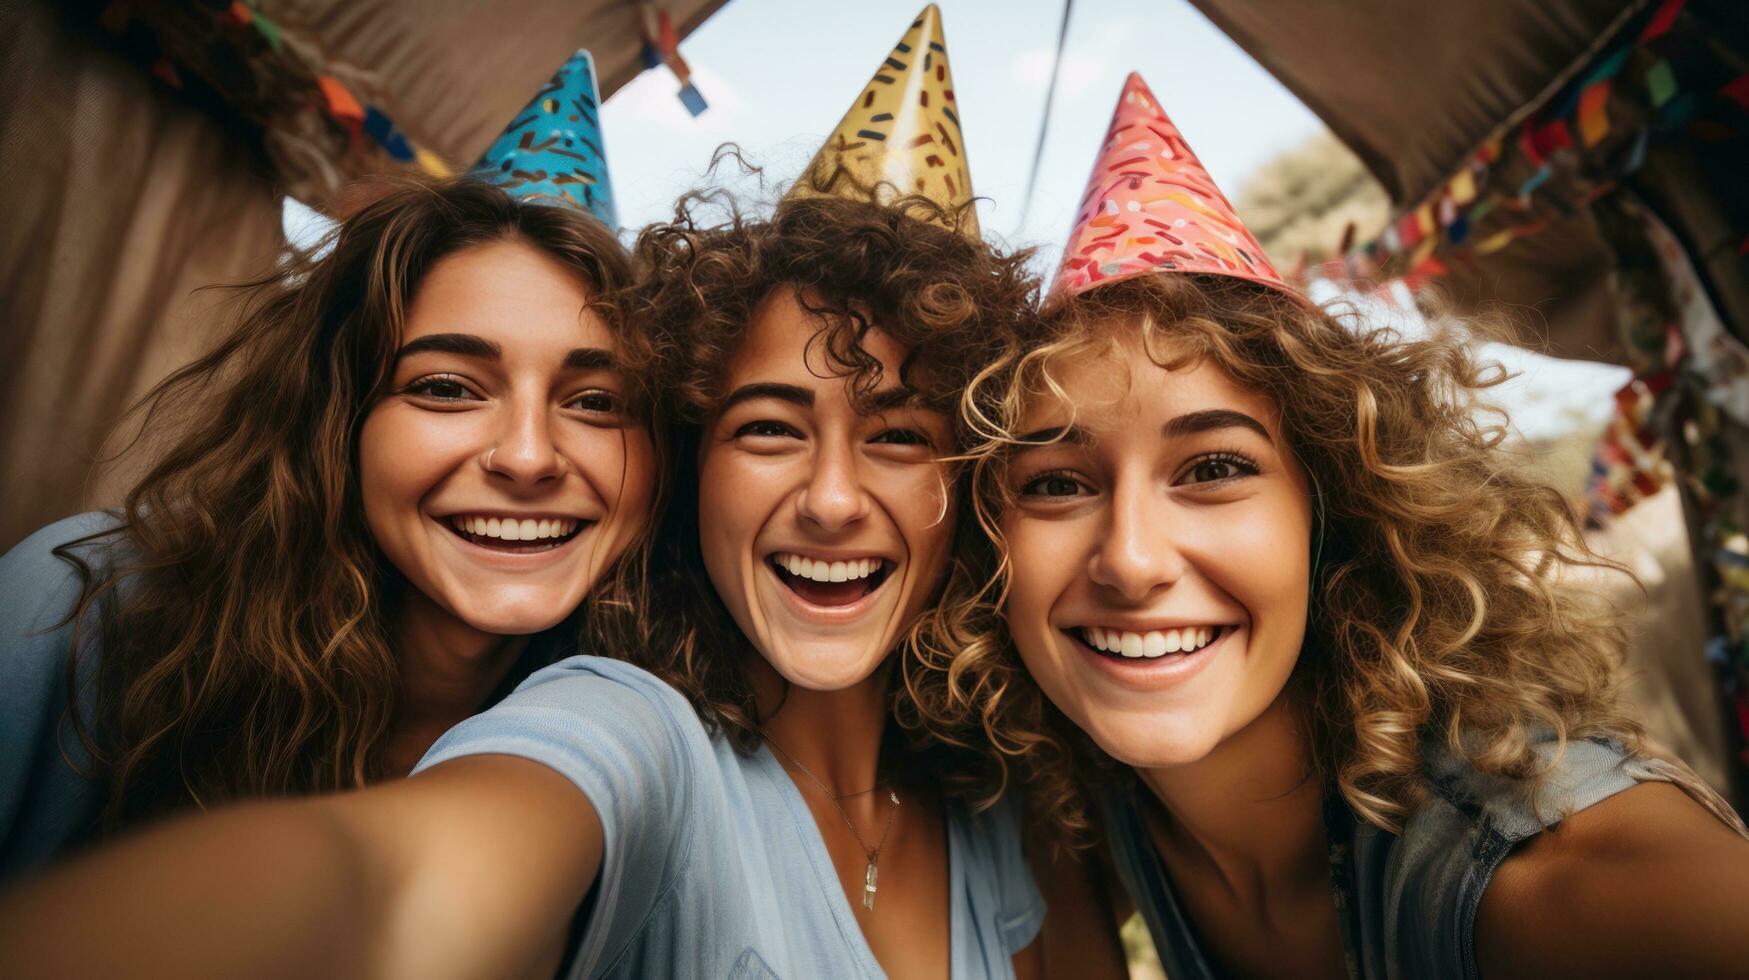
[(1151, 207)]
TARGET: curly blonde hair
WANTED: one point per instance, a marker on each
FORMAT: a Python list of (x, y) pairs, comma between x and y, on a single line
[(1437, 613)]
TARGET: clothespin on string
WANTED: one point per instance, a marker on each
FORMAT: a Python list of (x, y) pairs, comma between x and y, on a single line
[(662, 47)]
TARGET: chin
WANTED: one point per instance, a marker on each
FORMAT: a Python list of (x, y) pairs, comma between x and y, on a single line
[(1154, 742), (512, 616), (824, 665)]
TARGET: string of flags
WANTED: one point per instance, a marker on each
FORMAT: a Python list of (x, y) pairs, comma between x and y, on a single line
[(662, 47), (1660, 77), (323, 123)]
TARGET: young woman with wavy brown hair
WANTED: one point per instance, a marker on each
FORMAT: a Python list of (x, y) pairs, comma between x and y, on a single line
[(1277, 615), (385, 493), (734, 793)]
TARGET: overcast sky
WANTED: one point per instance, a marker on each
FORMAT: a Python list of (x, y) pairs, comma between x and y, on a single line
[(780, 73)]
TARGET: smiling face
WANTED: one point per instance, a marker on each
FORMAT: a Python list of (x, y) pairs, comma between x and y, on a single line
[(1160, 554), (503, 471), (823, 529)]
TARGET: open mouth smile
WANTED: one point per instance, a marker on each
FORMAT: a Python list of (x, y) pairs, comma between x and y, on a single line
[(513, 535), (1149, 645), (830, 584)]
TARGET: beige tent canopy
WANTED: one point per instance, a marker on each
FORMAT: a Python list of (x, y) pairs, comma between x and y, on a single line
[(123, 195), (1413, 88)]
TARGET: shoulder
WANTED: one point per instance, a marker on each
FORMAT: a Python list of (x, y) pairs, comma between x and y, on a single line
[(41, 586), (1636, 883), (997, 869), (40, 591), (1475, 848), (614, 729)]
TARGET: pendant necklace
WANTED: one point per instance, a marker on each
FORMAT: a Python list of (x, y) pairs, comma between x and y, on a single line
[(872, 873)]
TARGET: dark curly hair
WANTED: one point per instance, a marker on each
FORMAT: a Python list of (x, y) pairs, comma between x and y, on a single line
[(951, 301)]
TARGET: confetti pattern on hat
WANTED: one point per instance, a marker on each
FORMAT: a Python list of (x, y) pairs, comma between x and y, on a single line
[(1151, 207), (902, 136), (553, 148)]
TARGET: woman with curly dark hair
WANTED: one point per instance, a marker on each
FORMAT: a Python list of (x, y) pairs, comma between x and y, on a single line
[(735, 795), (376, 501), (1276, 602)]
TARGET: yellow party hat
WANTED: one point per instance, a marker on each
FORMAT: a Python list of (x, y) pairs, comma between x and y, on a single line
[(903, 134)]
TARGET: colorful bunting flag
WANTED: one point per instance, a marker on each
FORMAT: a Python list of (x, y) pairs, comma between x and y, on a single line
[(1661, 83), (1594, 113)]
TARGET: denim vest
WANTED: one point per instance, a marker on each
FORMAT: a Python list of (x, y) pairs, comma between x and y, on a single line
[(1407, 902)]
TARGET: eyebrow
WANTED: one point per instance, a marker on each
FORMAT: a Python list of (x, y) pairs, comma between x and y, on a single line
[(1073, 435), (468, 345), (793, 394), (1210, 419), (1187, 424), (463, 344), (590, 359), (891, 398)]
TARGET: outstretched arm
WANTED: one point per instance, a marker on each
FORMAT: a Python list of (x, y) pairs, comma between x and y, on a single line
[(1645, 883), (471, 869)]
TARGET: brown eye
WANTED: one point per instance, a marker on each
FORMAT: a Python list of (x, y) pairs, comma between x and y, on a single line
[(1052, 485), (444, 388), (902, 437), (765, 429), (599, 402), (1211, 470), (1219, 468)]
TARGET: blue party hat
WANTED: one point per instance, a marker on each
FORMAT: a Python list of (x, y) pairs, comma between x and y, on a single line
[(553, 148)]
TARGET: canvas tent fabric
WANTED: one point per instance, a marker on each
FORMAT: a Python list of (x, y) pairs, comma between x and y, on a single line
[(1413, 87), (453, 72), (120, 202), (123, 198)]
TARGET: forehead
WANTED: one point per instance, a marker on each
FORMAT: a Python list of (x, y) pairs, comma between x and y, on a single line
[(509, 292), (784, 343), (1113, 383)]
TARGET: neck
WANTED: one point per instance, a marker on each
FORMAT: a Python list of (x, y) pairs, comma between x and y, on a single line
[(835, 735), (447, 670), (1252, 809)]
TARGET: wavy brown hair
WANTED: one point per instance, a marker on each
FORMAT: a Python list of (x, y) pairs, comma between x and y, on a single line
[(952, 302), (240, 617), (1437, 612)]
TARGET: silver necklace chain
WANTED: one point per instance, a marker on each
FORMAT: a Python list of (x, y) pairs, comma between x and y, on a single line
[(872, 872)]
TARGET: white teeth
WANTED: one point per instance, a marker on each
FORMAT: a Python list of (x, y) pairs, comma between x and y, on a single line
[(1154, 643), (828, 571), (511, 529)]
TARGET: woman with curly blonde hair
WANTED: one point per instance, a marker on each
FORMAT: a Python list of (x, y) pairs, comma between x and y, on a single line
[(1272, 581)]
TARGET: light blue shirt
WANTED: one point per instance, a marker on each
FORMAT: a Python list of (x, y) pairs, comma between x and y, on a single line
[(713, 865), (47, 803)]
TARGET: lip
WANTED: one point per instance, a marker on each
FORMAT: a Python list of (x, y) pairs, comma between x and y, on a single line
[(1157, 674), (512, 561), (825, 615), (828, 555), (516, 516)]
